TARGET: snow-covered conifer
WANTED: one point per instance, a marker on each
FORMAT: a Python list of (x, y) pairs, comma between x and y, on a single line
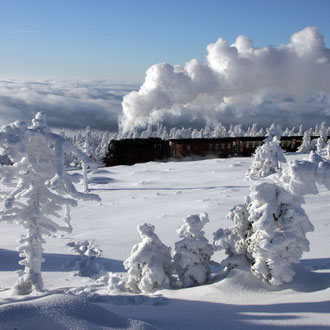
[(238, 130), (272, 131), (260, 132), (267, 159), (195, 134), (269, 233), (292, 131), (234, 240), (193, 253), (40, 190), (102, 148), (286, 132), (279, 227), (219, 131), (150, 265), (307, 145)]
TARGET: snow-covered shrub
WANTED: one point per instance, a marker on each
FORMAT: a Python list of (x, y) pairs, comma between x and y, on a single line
[(267, 159), (39, 190), (234, 241), (193, 253), (150, 265), (88, 263)]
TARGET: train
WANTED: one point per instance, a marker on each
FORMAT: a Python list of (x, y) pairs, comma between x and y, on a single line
[(132, 151)]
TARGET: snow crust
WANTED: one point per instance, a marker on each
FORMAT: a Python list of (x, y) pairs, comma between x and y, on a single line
[(63, 312)]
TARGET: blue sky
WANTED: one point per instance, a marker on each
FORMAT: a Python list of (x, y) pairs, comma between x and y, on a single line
[(120, 39)]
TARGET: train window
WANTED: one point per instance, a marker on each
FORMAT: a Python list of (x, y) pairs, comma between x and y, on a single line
[(222, 146), (188, 147), (250, 145), (217, 146), (257, 144), (210, 146), (229, 145)]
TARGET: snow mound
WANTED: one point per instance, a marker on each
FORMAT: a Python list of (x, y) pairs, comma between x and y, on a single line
[(63, 312)]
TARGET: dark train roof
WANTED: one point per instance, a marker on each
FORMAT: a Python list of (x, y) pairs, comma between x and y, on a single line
[(191, 140)]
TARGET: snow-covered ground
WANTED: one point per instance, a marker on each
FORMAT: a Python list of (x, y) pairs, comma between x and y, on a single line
[(163, 194)]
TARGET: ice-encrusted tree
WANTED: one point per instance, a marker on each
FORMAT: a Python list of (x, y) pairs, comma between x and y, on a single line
[(150, 265), (193, 252), (40, 191), (267, 159)]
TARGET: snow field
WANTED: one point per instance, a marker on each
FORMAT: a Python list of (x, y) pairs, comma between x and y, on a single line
[(162, 194)]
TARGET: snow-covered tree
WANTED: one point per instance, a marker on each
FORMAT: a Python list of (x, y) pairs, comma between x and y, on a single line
[(252, 131), (270, 228), (286, 132), (193, 253), (219, 131), (102, 148), (150, 265), (234, 241), (195, 134), (273, 131), (307, 145), (293, 131), (267, 159), (39, 190), (279, 227), (269, 233)]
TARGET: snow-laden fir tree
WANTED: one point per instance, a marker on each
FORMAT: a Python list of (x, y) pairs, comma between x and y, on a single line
[(279, 227), (270, 230), (307, 144), (150, 265), (102, 148), (267, 159), (269, 234), (273, 131), (193, 252), (40, 191)]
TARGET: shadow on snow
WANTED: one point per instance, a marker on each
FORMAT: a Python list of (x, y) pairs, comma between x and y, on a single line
[(54, 262)]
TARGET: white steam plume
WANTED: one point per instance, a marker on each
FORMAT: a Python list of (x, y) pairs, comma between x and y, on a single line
[(238, 83)]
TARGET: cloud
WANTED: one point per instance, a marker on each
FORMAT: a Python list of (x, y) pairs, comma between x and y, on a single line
[(97, 104), (238, 83)]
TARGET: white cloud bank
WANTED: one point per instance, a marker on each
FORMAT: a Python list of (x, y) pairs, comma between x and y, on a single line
[(238, 83), (97, 103)]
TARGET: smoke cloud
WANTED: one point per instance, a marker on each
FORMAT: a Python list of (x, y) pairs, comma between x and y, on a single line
[(66, 104), (238, 83)]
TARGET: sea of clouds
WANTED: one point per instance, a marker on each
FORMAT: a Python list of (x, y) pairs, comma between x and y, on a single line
[(235, 84), (70, 105)]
